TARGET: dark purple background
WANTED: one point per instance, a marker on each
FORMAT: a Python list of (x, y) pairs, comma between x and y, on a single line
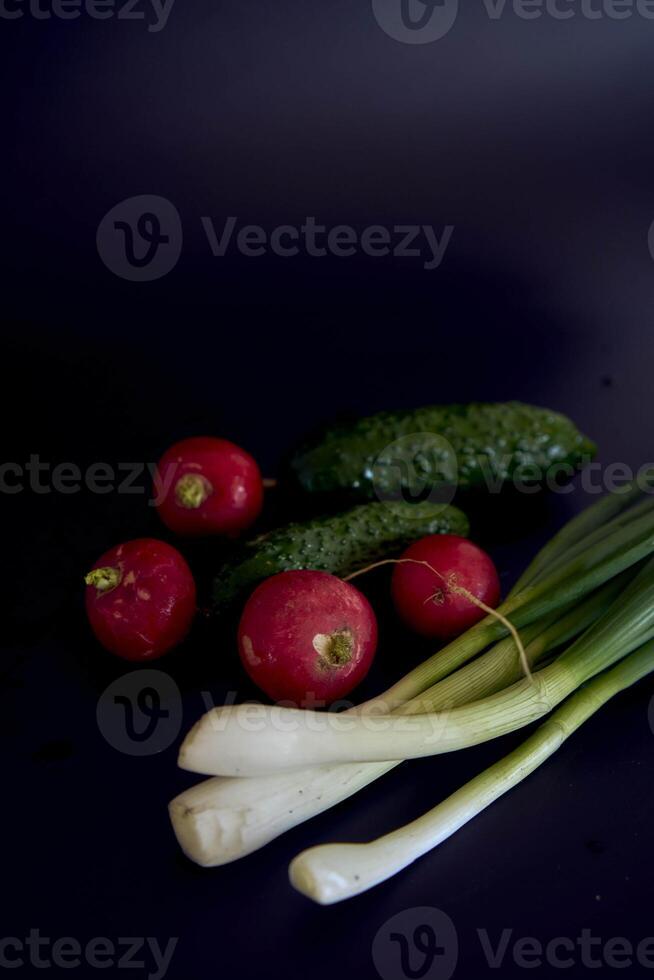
[(532, 138)]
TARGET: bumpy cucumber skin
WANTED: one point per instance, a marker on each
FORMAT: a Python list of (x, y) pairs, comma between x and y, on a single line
[(341, 544), (490, 442)]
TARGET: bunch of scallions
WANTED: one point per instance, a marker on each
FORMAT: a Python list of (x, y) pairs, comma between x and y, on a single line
[(584, 609)]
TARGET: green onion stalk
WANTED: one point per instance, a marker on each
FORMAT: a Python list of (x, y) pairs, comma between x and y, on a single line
[(587, 527), (222, 819), (256, 740), (500, 666), (333, 872), (618, 549)]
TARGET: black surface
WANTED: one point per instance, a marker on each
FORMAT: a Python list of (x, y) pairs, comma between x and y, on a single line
[(533, 138)]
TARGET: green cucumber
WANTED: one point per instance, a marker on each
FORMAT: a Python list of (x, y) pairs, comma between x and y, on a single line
[(406, 455), (341, 544)]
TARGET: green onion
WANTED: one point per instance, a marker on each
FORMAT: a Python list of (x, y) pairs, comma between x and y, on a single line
[(222, 819), (253, 740), (333, 872), (596, 518), (621, 520), (617, 551), (500, 666)]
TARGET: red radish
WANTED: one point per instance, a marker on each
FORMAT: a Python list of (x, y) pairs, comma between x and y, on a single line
[(140, 599), (430, 604), (307, 637), (208, 486)]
